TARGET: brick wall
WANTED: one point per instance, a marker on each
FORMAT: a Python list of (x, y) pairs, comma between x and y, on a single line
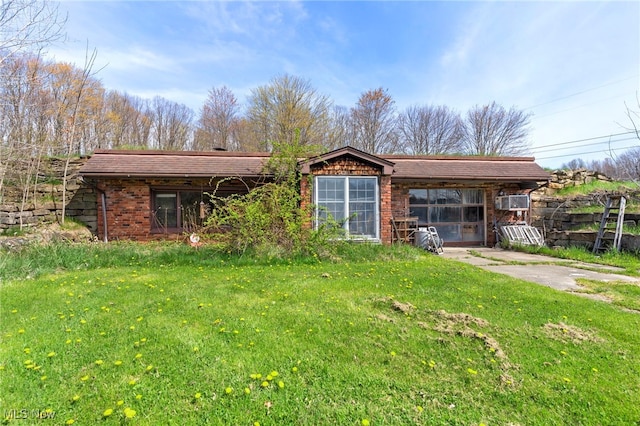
[(128, 205)]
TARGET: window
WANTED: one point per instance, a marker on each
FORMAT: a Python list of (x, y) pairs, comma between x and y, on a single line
[(458, 214), (176, 211), (351, 201)]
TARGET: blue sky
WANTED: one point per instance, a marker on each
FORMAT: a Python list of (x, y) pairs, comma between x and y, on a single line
[(572, 64)]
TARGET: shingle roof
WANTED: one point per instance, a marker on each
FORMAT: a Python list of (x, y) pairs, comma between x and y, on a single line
[(508, 169), (109, 163), (112, 163)]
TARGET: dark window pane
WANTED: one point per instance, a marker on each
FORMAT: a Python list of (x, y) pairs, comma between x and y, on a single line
[(420, 213), (417, 196), (165, 210), (445, 196), (445, 214), (473, 214)]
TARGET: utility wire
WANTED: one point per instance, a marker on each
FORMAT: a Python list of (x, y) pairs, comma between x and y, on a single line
[(585, 140), (581, 92), (584, 153), (536, 150)]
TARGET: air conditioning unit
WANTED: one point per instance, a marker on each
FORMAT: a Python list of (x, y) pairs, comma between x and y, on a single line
[(512, 202)]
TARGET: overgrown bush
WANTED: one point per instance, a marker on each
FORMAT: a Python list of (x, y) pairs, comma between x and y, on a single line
[(269, 220)]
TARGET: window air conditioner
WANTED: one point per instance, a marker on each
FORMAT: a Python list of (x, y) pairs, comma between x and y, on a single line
[(512, 202)]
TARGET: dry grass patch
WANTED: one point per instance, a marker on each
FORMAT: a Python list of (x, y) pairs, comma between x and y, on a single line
[(569, 333)]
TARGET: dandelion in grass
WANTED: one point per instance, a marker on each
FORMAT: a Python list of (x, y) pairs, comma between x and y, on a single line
[(70, 422), (149, 367), (265, 384), (432, 364), (129, 413), (281, 384), (138, 397), (99, 362), (595, 370), (294, 369), (472, 371), (132, 382), (75, 398), (107, 412), (197, 396), (43, 378), (138, 356), (119, 403), (365, 422), (247, 391), (84, 378), (117, 362)]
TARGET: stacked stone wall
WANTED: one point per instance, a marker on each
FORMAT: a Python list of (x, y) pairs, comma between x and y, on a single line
[(555, 215), (45, 199)]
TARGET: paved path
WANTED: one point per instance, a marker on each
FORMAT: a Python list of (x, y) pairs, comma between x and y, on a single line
[(550, 271)]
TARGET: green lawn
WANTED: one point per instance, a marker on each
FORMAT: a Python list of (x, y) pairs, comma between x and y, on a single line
[(191, 337)]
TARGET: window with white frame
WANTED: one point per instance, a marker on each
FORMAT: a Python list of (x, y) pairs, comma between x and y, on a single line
[(351, 201)]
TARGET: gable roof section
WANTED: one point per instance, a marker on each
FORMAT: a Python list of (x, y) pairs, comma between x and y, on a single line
[(385, 165), (116, 164), (504, 169)]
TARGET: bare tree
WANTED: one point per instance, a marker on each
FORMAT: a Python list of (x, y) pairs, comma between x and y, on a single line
[(492, 130), (628, 165), (430, 130), (72, 111), (171, 124), (574, 164), (28, 25), (218, 121), (24, 106), (374, 122), (128, 121), (340, 131), (286, 110)]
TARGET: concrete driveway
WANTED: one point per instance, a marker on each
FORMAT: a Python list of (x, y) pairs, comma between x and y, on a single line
[(550, 271)]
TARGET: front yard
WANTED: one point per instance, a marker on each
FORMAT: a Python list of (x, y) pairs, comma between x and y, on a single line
[(163, 335)]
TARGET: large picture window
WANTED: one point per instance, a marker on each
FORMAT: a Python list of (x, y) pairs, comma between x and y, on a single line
[(351, 201), (457, 214), (176, 211)]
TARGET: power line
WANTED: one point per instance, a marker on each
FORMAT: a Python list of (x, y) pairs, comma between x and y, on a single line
[(581, 92), (586, 139), (583, 145), (583, 153)]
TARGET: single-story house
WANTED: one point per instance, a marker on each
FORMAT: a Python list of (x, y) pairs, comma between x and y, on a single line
[(147, 195)]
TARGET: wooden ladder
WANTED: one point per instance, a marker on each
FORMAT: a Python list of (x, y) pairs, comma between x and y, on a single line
[(613, 214)]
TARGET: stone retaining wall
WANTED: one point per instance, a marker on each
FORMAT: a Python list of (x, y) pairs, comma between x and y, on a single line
[(553, 215), (45, 204)]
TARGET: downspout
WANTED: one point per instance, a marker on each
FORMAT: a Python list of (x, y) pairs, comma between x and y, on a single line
[(103, 196)]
